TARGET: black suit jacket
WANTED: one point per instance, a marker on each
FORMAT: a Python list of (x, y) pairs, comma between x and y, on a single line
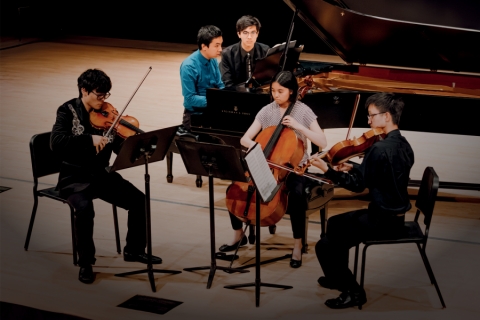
[(233, 68), (81, 165)]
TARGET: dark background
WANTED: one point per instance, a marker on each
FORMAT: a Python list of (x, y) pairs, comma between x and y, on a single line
[(179, 21)]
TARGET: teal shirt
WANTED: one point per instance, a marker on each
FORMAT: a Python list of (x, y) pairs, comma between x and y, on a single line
[(197, 75)]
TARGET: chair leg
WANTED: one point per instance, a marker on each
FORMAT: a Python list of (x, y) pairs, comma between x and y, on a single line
[(323, 219), (169, 166), (430, 273), (115, 223), (362, 275), (74, 240), (355, 263), (251, 234), (305, 235), (32, 220)]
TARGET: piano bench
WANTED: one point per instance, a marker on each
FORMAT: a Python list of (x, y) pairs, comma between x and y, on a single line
[(317, 197), (184, 135)]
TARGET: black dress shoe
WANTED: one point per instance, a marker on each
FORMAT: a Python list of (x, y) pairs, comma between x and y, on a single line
[(226, 247), (140, 257), (327, 283), (347, 299), (86, 275), (295, 263)]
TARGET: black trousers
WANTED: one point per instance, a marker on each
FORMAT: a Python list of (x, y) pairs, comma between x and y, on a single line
[(296, 207), (345, 231), (113, 189)]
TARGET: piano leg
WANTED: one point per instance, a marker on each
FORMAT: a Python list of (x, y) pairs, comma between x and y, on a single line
[(169, 166)]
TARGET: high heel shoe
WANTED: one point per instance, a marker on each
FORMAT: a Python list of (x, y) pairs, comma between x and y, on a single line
[(226, 247), (295, 263)]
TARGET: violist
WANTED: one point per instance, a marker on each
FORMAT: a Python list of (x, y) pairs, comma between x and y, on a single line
[(385, 171)]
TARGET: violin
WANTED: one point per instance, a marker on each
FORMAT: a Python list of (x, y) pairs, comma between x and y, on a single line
[(104, 118), (350, 148), (109, 119)]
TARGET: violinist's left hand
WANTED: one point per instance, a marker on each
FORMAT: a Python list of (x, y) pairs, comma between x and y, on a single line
[(291, 122)]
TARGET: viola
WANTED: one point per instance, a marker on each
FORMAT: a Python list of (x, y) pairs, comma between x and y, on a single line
[(350, 148), (104, 118)]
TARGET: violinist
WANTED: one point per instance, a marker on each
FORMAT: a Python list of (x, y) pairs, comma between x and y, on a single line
[(385, 171), (303, 121), (85, 153)]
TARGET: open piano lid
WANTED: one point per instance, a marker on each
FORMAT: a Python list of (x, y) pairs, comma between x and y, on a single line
[(368, 40)]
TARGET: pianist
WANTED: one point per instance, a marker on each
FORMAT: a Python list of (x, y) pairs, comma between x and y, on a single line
[(200, 71), (238, 60), (385, 171)]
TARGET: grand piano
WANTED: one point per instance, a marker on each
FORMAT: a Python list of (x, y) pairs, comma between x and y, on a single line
[(434, 68)]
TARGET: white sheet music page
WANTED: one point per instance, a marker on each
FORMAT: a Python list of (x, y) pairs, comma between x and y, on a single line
[(260, 171)]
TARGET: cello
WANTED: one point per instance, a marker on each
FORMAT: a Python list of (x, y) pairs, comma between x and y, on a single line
[(281, 146)]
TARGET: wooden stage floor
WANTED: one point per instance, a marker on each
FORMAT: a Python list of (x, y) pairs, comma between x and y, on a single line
[(38, 77)]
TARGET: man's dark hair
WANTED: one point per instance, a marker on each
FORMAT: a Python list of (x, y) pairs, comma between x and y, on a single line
[(247, 21), (286, 79), (387, 102), (206, 34), (94, 79)]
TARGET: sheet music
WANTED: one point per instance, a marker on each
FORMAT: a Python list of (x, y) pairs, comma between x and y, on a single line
[(280, 47), (260, 172)]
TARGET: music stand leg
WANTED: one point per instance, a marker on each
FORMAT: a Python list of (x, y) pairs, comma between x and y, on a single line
[(149, 269), (258, 282), (213, 261)]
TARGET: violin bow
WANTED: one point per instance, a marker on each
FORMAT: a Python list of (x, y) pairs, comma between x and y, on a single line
[(109, 132), (322, 180), (354, 112)]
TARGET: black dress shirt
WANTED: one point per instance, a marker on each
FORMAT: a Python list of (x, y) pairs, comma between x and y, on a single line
[(233, 67), (385, 171), (81, 165)]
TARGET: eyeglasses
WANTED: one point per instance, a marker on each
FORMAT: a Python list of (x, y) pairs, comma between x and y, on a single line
[(246, 33), (369, 116), (102, 96)]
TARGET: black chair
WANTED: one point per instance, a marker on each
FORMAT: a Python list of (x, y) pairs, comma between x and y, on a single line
[(412, 232), (44, 163), (317, 197)]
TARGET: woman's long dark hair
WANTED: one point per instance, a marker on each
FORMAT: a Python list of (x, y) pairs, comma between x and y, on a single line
[(286, 79)]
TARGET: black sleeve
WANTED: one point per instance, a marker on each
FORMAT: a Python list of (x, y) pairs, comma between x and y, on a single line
[(63, 141), (225, 70), (117, 143), (352, 180)]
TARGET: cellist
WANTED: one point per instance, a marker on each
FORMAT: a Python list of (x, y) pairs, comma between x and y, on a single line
[(283, 90), (385, 171)]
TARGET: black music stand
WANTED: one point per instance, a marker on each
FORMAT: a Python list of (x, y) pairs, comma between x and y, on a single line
[(258, 283), (137, 150), (214, 161), (266, 68)]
